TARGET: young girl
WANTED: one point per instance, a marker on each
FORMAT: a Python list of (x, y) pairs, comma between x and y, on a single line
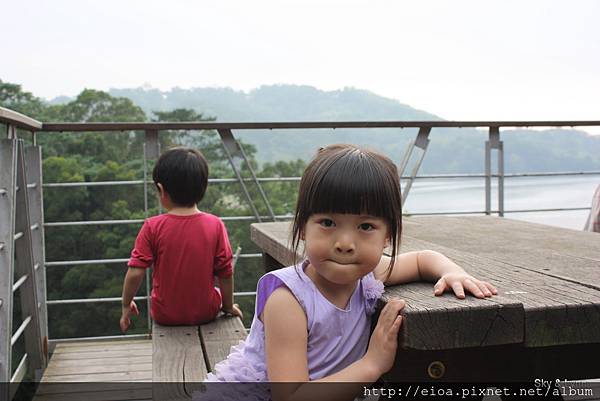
[(312, 320)]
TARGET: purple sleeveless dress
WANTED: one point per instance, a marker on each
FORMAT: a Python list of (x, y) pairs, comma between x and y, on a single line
[(336, 337)]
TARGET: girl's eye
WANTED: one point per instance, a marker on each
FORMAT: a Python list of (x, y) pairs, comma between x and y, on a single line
[(327, 223), (366, 226)]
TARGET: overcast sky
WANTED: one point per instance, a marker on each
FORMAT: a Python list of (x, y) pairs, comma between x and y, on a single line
[(459, 59)]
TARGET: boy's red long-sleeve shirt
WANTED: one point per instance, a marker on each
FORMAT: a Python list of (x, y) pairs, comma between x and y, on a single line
[(187, 252)]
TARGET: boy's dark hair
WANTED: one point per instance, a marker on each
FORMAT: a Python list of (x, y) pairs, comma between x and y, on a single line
[(183, 173), (349, 179)]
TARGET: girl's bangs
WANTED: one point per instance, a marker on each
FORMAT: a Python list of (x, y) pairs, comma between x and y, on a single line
[(353, 185)]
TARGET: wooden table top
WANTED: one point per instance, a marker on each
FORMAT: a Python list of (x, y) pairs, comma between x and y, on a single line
[(548, 280)]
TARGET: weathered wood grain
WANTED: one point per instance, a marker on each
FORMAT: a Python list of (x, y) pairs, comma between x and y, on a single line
[(177, 358), (219, 336), (120, 360), (115, 342), (554, 311), (275, 239), (567, 254), (66, 365), (106, 366), (101, 377), (83, 387), (102, 355), (105, 395), (116, 346)]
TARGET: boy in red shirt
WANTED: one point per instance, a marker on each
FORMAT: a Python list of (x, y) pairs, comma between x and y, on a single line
[(187, 248)]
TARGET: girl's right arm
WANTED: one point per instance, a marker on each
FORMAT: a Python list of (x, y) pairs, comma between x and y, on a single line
[(286, 337)]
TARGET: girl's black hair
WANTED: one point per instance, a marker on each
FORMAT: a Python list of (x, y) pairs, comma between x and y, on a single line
[(346, 178), (183, 173)]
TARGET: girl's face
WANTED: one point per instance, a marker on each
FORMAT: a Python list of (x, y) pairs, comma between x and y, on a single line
[(344, 247)]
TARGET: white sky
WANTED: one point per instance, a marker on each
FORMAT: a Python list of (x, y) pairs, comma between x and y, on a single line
[(459, 59)]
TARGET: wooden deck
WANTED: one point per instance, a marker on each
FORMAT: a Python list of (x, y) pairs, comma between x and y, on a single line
[(168, 367), (99, 370)]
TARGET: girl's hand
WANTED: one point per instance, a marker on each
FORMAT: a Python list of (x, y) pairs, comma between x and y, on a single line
[(234, 311), (384, 340), (126, 312), (459, 282)]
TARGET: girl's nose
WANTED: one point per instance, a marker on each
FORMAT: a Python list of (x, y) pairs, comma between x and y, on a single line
[(344, 245)]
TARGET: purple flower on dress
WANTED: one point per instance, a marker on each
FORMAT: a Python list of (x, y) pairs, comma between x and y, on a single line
[(373, 290)]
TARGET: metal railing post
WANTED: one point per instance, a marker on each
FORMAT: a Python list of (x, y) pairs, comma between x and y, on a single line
[(33, 164), (231, 147), (260, 188), (421, 142), (494, 142), (151, 149), (24, 267), (8, 184)]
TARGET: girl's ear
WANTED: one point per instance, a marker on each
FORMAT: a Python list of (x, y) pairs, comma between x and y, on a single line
[(387, 241)]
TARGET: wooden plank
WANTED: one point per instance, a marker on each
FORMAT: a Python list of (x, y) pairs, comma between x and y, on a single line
[(555, 312), (512, 363), (275, 240), (77, 344), (79, 387), (445, 322), (101, 377), (97, 372), (177, 358), (105, 395), (219, 336), (108, 366), (102, 355), (116, 360), (567, 254), (139, 345)]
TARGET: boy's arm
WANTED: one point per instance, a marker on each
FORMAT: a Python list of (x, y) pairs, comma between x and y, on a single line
[(226, 287), (131, 284), (432, 266)]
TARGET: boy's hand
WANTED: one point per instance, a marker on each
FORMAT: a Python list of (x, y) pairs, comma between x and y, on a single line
[(234, 311), (126, 312), (459, 282)]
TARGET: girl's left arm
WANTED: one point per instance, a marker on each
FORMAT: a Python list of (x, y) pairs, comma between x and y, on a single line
[(432, 266)]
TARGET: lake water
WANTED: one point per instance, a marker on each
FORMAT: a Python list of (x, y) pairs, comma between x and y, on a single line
[(468, 194)]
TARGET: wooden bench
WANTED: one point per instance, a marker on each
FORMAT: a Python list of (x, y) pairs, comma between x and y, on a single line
[(183, 355)]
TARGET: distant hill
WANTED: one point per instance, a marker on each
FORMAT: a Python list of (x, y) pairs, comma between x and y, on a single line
[(450, 150)]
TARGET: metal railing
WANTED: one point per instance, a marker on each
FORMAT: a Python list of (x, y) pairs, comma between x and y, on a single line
[(233, 150), (21, 255)]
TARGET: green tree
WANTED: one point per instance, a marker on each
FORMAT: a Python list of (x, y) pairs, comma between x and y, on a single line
[(13, 97)]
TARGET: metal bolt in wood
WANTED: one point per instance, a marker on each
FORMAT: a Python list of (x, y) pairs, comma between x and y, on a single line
[(436, 370)]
